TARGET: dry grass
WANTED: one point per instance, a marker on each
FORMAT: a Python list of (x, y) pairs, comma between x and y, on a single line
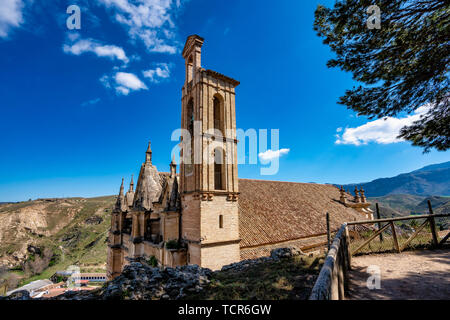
[(290, 278)]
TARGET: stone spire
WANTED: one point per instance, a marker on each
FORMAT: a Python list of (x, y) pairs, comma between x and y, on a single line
[(131, 185), (342, 195), (148, 154), (363, 196), (148, 188), (120, 203), (130, 194), (121, 189), (357, 198), (173, 167)]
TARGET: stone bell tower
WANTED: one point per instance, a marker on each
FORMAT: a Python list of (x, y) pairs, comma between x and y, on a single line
[(208, 171)]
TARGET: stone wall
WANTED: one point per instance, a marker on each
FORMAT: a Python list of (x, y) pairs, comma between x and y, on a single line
[(217, 256), (211, 210), (190, 218), (305, 245)]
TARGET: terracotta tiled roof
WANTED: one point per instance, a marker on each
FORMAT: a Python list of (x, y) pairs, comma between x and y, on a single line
[(273, 211)]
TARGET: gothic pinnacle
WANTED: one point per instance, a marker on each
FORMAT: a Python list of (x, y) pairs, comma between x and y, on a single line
[(148, 154)]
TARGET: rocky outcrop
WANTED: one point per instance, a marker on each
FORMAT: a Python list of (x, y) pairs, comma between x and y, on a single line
[(139, 281), (275, 254), (18, 295)]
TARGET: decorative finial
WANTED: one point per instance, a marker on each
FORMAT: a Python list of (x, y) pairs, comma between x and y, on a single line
[(357, 198), (131, 184), (342, 195), (363, 196), (173, 167), (148, 154)]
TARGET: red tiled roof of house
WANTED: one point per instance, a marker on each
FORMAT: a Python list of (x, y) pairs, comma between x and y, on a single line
[(274, 211)]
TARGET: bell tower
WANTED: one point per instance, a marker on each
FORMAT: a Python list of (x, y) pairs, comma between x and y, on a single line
[(208, 170)]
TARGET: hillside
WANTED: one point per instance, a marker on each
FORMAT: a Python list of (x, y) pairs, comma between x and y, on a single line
[(402, 204), (286, 274), (429, 180), (40, 237), (395, 205)]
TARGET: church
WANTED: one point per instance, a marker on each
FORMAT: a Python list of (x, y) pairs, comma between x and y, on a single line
[(205, 214)]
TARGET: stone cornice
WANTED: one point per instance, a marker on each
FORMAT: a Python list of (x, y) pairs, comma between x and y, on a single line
[(221, 243), (222, 77)]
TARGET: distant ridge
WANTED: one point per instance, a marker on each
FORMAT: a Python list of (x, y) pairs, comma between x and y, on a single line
[(432, 180)]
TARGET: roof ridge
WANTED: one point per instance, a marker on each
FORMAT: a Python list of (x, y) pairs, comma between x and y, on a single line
[(293, 182)]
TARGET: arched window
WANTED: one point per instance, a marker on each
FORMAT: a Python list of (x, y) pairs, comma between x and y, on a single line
[(190, 128), (190, 117), (218, 115), (218, 169)]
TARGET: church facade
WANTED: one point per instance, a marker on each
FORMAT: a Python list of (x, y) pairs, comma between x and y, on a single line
[(205, 214)]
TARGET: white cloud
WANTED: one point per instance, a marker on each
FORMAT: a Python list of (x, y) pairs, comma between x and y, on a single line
[(162, 71), (11, 16), (270, 155), (383, 131), (123, 83), (101, 50), (91, 102), (147, 20), (129, 80)]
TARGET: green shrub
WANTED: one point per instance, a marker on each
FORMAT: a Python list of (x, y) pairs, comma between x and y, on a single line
[(173, 244), (152, 261)]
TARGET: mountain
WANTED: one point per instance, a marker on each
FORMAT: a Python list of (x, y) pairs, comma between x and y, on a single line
[(396, 205), (438, 204), (433, 180), (402, 204)]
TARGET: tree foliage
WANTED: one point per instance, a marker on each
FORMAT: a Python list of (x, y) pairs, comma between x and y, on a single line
[(402, 66)]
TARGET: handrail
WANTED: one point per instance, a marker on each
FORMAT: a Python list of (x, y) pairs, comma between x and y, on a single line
[(332, 280), (412, 217)]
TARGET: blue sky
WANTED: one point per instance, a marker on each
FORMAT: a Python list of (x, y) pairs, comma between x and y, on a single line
[(79, 106)]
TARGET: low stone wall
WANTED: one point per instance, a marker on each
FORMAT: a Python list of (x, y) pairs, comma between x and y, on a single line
[(305, 244), (174, 258), (333, 278)]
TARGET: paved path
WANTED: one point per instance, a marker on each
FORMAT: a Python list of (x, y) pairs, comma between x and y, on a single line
[(420, 275)]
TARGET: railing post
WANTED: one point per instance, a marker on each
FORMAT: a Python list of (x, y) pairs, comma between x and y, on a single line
[(347, 248), (394, 235), (328, 231), (433, 226), (341, 277), (379, 223)]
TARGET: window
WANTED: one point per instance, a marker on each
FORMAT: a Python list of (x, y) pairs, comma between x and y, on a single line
[(190, 117), (218, 118), (220, 221), (127, 224), (218, 169), (190, 128)]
